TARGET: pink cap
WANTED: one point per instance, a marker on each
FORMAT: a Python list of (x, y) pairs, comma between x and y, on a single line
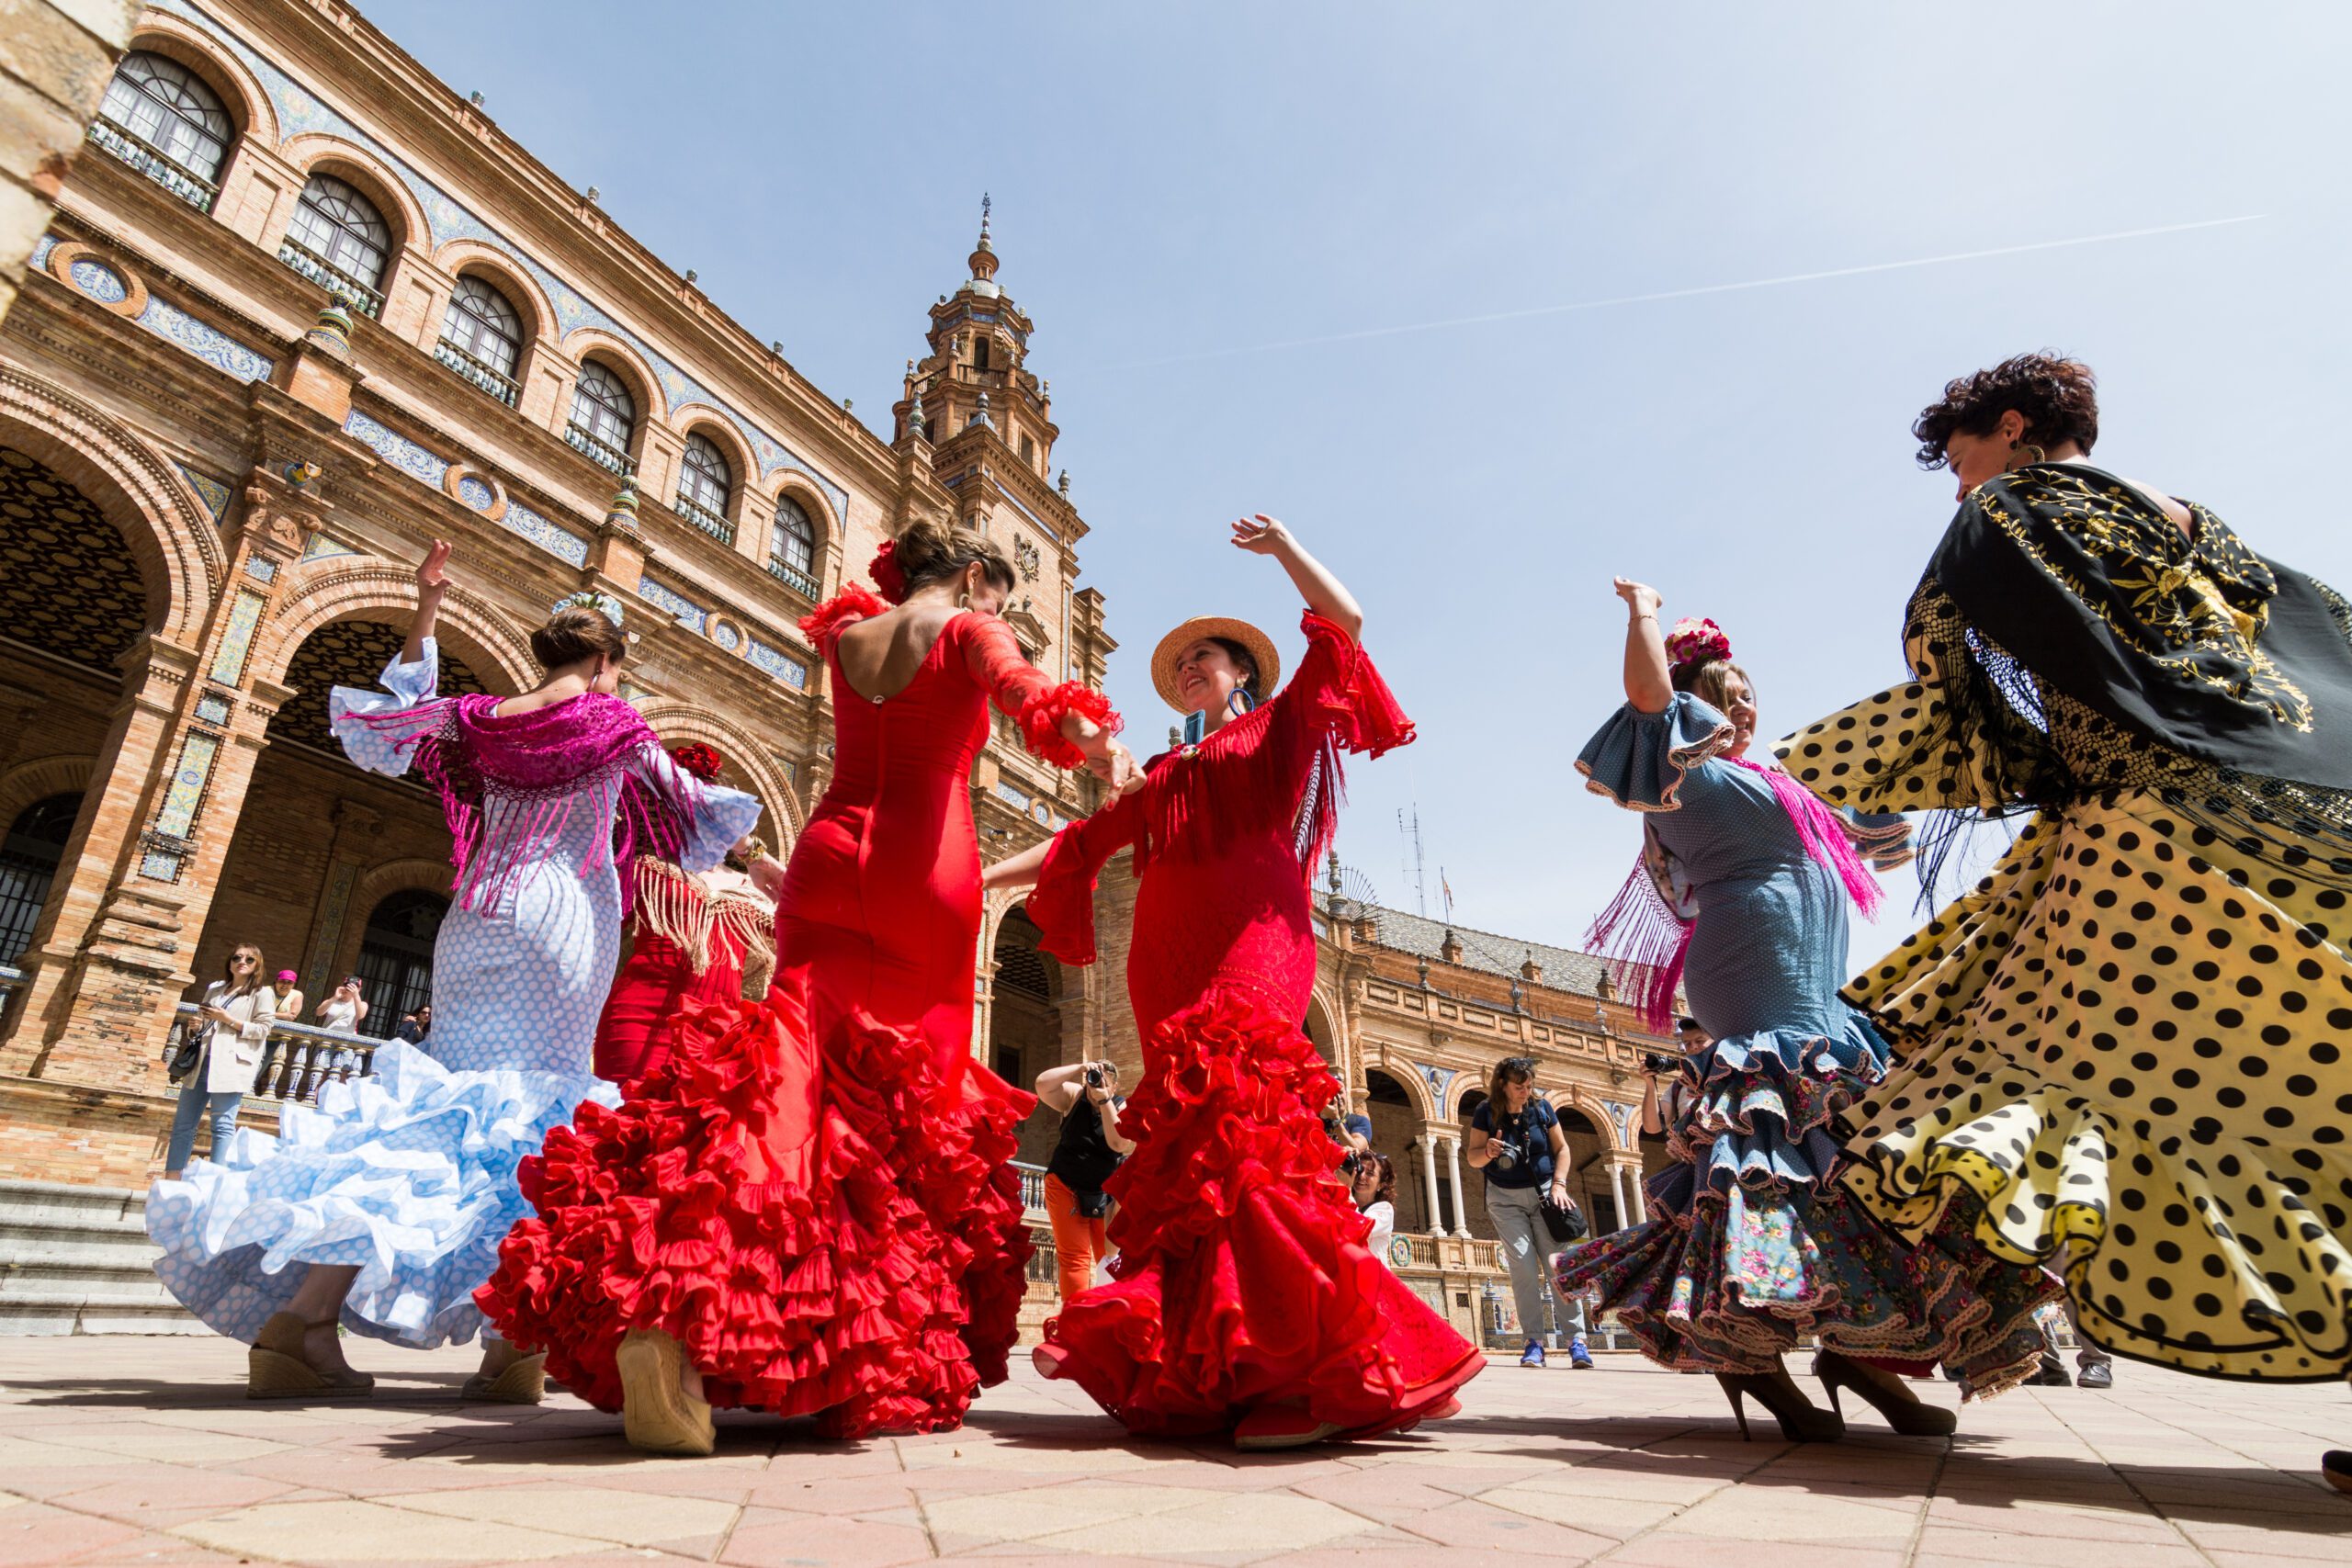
[(285, 974)]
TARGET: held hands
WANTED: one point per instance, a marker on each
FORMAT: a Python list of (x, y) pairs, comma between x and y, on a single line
[(432, 573), (1261, 534), (1640, 598)]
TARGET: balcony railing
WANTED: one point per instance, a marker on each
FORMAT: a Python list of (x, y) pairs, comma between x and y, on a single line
[(318, 270), (703, 518), (586, 443), (156, 164), (502, 387), (300, 1060), (1032, 1189), (792, 577)]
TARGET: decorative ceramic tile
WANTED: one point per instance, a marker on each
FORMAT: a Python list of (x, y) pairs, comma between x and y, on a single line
[(261, 568), (188, 779), (554, 539), (100, 281), (156, 866), (725, 634), (229, 659), (41, 247), (398, 450), (685, 611), (476, 494), (221, 352), (320, 548), (211, 491), (778, 663), (329, 932), (213, 708), (1006, 791)]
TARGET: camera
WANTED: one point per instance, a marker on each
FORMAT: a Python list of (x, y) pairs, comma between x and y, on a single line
[(1094, 1076), (1661, 1064)]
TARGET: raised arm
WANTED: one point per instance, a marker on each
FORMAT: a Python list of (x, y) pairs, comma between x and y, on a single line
[(1069, 725), (1325, 594), (1647, 685), (431, 581)]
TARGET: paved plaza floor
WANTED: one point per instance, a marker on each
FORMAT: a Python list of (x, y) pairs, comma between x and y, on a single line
[(145, 1450)]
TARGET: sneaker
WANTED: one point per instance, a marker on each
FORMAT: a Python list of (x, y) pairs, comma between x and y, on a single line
[(1534, 1355), (2095, 1374), (1580, 1354)]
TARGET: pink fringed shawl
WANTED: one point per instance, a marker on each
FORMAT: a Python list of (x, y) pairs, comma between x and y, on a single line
[(1644, 937), (531, 772)]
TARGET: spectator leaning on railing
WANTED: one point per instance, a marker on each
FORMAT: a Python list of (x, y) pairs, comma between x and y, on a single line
[(219, 1060), (1088, 1150)]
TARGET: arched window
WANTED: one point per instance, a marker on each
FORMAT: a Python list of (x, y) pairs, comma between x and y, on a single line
[(28, 861), (339, 241), (792, 548), (603, 416), (706, 484), (396, 958), (482, 338), (160, 118)]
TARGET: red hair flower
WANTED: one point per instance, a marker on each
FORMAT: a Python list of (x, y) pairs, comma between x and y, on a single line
[(1696, 642), (697, 759), (888, 575)]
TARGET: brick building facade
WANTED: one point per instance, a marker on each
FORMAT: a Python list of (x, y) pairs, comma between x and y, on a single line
[(302, 309)]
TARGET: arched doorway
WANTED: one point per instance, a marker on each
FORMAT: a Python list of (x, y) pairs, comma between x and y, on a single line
[(347, 653), (29, 857), (1025, 1022), (1587, 1159), (396, 957), (1319, 1030), (1395, 1126), (70, 588)]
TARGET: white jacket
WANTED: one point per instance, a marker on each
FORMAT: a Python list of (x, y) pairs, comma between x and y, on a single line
[(232, 1057)]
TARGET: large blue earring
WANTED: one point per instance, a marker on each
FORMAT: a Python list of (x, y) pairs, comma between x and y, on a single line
[(1239, 694)]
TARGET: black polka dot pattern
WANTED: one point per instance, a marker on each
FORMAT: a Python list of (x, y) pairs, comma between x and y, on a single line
[(2127, 1045)]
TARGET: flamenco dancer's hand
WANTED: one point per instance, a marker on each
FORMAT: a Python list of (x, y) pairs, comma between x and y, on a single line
[(433, 574), (1119, 770), (1261, 534), (1640, 598)]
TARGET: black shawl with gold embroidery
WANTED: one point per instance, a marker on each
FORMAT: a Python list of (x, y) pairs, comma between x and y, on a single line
[(2063, 581)]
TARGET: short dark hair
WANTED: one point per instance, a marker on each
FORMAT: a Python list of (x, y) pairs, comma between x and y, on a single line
[(1688, 1023), (1247, 662), (2057, 397)]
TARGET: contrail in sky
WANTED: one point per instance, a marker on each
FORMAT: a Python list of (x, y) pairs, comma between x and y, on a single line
[(1694, 293)]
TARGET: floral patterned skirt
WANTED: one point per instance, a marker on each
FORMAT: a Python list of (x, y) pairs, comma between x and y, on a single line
[(1753, 1244)]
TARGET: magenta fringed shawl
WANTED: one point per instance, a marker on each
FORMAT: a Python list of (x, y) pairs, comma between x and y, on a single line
[(532, 770), (1645, 939)]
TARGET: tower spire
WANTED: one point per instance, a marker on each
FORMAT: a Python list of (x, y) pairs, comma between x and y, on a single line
[(983, 256)]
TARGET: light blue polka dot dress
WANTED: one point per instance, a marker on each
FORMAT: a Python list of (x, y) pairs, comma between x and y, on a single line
[(410, 1175)]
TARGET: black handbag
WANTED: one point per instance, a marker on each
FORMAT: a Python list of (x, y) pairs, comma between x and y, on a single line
[(1566, 1224), (190, 1055)]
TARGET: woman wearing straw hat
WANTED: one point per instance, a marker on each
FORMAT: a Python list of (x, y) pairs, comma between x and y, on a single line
[(1243, 1299)]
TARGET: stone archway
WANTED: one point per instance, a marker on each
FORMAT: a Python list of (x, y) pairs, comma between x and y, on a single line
[(1024, 1021)]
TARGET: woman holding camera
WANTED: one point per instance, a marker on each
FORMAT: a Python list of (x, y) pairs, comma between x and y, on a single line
[(1088, 1150), (1515, 1138), (1244, 1301), (1753, 1243)]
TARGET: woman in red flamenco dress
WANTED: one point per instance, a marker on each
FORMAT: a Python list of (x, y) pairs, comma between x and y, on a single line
[(1243, 1298), (806, 1208), (695, 938)]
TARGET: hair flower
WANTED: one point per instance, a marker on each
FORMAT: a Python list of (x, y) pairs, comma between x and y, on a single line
[(589, 598), (888, 577), (1696, 642), (702, 761)]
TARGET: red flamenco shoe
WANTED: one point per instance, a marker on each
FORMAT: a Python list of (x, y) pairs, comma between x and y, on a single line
[(1281, 1426), (1051, 1360)]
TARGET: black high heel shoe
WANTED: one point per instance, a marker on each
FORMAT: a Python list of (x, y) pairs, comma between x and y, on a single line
[(1800, 1420), (1903, 1411)]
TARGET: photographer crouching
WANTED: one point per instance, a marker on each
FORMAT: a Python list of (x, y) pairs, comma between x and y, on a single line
[(1088, 1149)]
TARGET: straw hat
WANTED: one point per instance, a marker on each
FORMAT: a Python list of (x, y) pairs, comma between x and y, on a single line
[(1172, 648)]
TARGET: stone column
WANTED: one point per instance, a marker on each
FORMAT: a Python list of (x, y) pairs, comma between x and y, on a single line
[(1617, 1188), (1428, 1180), (1633, 1183), (1461, 1193)]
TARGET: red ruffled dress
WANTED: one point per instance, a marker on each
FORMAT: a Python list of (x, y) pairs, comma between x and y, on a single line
[(811, 1193), (1242, 1278), (689, 938)]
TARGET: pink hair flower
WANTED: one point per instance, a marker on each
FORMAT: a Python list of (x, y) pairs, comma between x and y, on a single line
[(1696, 642)]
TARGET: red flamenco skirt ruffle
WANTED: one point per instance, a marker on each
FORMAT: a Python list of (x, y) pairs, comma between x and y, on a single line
[(1242, 1279), (829, 1232)]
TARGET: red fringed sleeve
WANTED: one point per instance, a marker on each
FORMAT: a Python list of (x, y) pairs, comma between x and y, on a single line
[(994, 656), (1062, 904)]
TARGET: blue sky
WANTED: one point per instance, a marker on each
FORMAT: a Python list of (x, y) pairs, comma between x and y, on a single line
[(1177, 186)]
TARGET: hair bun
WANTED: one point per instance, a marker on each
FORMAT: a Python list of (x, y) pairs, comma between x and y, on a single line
[(1694, 641)]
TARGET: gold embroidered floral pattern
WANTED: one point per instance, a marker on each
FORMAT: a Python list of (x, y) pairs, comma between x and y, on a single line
[(2196, 609)]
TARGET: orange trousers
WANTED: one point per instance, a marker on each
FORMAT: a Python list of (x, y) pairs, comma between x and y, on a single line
[(1078, 1242)]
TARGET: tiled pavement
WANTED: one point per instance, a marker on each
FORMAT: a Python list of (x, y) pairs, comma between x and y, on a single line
[(142, 1450)]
